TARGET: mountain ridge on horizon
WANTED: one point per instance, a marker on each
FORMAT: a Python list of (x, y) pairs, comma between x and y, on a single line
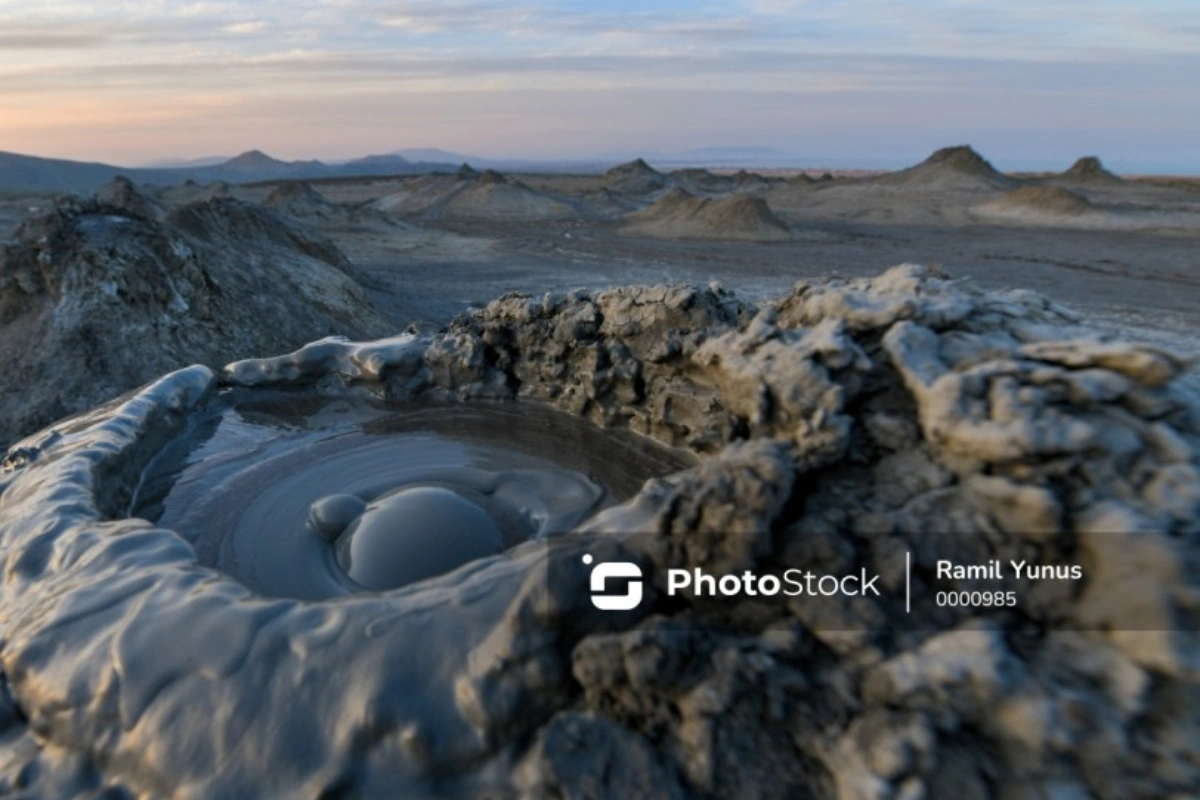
[(21, 172), (25, 172), (36, 173)]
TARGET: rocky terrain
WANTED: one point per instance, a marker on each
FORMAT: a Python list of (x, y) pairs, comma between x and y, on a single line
[(99, 296)]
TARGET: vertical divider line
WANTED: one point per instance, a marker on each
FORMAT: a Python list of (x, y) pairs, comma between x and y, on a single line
[(907, 581)]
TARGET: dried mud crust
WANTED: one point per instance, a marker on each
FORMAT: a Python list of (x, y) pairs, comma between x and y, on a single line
[(839, 425), (880, 414)]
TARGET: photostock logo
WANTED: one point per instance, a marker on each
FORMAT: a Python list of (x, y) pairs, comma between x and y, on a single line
[(696, 583), (601, 573)]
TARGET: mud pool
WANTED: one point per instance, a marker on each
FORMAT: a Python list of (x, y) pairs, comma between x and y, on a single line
[(316, 497)]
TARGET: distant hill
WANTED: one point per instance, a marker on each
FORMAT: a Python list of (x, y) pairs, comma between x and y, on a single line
[(52, 174), (21, 172), (184, 163), (435, 155), (729, 157)]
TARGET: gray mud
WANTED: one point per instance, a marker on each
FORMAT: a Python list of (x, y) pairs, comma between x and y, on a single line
[(206, 282), (837, 427), (243, 487)]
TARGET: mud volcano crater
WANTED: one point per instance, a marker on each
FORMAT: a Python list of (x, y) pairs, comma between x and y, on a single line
[(314, 496), (158, 637)]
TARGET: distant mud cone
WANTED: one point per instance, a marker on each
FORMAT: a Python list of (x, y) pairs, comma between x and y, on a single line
[(962, 158), (1090, 171), (492, 196), (298, 199), (679, 215), (951, 168), (635, 178)]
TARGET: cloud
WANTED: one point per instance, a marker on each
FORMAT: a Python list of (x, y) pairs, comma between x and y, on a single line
[(429, 69), (154, 51), (48, 41), (450, 17), (246, 28), (1020, 30)]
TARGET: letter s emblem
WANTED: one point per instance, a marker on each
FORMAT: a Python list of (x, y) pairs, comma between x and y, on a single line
[(616, 602)]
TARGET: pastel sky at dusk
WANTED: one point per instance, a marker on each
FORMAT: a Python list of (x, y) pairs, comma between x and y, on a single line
[(1030, 83)]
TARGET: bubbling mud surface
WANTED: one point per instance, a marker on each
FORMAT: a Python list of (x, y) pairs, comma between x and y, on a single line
[(312, 498)]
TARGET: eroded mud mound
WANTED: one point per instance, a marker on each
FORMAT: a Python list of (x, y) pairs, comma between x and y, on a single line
[(471, 195), (298, 199), (951, 168), (419, 194), (122, 193), (210, 282), (751, 181), (492, 196), (679, 215), (701, 181), (635, 179), (842, 427), (1088, 171)]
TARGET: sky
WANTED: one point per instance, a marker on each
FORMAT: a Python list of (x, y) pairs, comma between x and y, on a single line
[(875, 83)]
